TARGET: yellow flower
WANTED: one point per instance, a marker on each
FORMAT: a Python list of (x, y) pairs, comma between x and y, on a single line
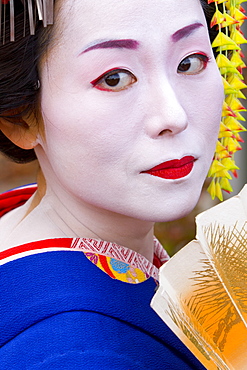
[(238, 38), (231, 144), (236, 83), (228, 21), (232, 124), (238, 15), (224, 41), (236, 59), (211, 189), (218, 191), (234, 104), (217, 18), (225, 185), (229, 164), (216, 166)]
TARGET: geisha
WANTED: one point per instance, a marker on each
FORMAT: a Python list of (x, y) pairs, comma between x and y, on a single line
[(121, 103)]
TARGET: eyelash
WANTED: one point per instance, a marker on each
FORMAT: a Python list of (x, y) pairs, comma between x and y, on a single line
[(202, 58), (116, 76), (123, 75)]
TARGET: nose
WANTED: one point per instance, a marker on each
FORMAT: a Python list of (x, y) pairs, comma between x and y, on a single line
[(165, 114)]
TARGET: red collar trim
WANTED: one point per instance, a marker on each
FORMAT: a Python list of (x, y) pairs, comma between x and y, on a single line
[(15, 198)]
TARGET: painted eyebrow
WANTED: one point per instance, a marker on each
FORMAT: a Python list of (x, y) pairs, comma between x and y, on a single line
[(185, 31), (133, 44), (109, 44)]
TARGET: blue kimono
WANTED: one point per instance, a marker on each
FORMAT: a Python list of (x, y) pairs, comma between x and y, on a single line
[(59, 311)]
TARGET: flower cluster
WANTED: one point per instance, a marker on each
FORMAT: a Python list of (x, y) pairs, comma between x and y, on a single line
[(230, 63)]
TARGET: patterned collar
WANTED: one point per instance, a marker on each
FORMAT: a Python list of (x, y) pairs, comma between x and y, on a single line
[(117, 261)]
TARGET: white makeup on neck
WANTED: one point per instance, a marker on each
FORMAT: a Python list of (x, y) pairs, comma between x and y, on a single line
[(122, 92)]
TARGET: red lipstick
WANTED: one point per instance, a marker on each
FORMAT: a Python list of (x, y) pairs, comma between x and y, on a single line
[(174, 169)]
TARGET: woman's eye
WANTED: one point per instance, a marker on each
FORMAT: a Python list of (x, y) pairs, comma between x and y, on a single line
[(115, 80), (193, 64)]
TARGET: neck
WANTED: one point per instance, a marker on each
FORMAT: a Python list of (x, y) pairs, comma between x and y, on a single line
[(72, 217), (88, 221)]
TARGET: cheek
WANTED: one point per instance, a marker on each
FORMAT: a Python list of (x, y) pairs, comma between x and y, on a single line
[(75, 128), (204, 106)]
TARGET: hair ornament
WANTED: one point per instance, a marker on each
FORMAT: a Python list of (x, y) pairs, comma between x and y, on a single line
[(41, 10), (228, 18), (37, 85)]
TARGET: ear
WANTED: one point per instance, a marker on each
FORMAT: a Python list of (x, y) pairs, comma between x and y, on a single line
[(22, 131)]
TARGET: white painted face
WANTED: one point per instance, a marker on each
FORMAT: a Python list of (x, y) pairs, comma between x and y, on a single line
[(128, 86)]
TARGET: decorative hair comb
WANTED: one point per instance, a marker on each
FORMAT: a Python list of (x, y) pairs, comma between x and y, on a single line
[(43, 9), (228, 18)]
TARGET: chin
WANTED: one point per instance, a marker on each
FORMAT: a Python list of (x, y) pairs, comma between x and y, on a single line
[(173, 208)]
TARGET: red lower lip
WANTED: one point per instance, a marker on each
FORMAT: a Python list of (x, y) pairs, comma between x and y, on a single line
[(174, 169)]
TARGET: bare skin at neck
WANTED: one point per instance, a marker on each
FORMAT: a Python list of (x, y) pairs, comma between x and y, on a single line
[(46, 205), (39, 194)]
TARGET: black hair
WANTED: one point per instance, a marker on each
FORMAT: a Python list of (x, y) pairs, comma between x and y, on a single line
[(19, 93), (19, 76)]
